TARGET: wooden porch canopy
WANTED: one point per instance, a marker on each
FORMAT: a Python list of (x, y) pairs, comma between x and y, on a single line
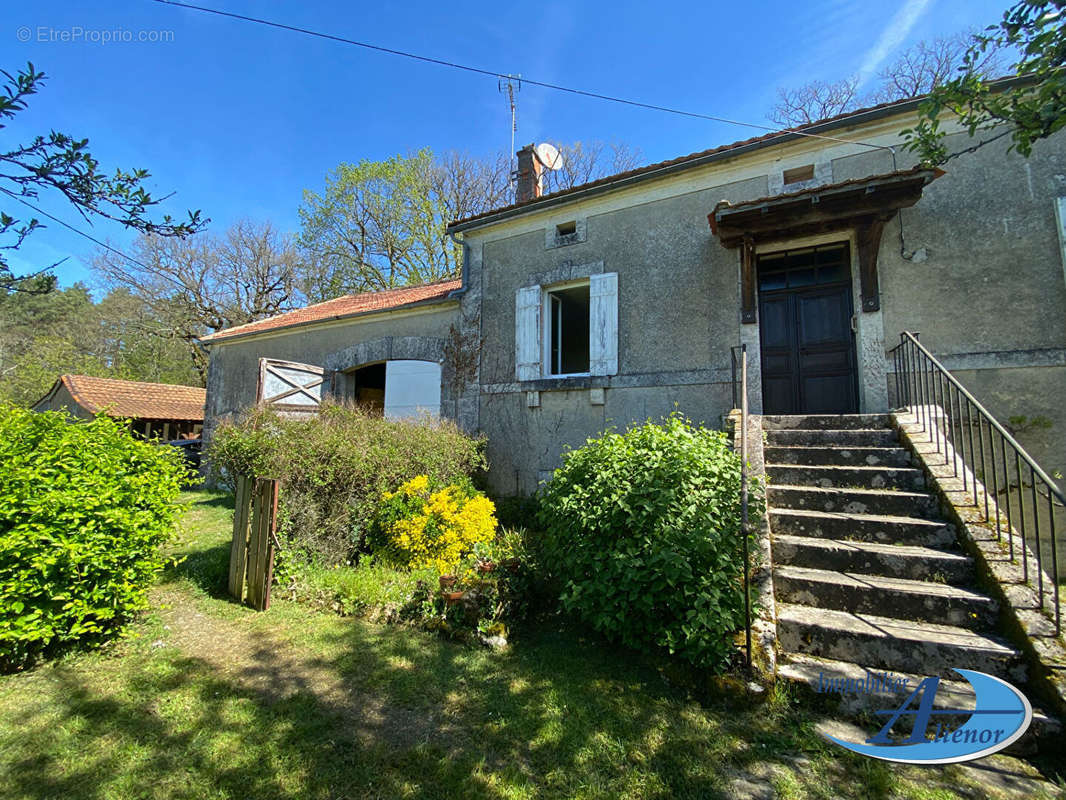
[(864, 204)]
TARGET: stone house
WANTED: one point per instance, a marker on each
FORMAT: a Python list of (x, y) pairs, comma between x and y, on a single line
[(155, 410), (621, 299)]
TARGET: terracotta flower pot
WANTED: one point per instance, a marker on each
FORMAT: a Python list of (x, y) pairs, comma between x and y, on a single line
[(486, 566), (451, 598), (447, 582)]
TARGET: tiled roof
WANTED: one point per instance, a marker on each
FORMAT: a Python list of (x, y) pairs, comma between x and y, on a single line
[(1004, 83), (682, 159), (136, 399), (348, 305)]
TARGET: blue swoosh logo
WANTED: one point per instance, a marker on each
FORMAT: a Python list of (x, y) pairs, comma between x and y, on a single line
[(1000, 708)]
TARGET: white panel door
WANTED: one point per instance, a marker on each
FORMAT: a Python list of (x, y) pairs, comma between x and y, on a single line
[(412, 389)]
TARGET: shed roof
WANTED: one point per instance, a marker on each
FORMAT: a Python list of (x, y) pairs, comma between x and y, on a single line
[(347, 306), (134, 399)]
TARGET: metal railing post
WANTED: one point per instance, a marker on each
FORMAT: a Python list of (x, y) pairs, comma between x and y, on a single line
[(744, 495)]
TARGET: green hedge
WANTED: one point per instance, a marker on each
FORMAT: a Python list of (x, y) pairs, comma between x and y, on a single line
[(334, 469), (642, 529), (84, 508)]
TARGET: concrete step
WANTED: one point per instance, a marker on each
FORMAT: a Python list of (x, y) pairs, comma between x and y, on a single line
[(881, 437), (839, 456), (853, 501), (899, 645), (924, 601), (816, 675), (865, 477), (835, 422), (862, 527), (873, 558)]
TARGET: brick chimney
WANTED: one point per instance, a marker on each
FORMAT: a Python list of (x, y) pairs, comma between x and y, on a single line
[(529, 185)]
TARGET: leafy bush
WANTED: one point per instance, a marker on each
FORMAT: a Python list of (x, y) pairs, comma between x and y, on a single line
[(643, 531), (335, 467), (423, 524), (84, 508)]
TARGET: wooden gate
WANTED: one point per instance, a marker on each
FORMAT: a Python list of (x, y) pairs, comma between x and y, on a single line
[(251, 562)]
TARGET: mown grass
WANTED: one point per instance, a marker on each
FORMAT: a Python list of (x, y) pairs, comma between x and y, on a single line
[(210, 700)]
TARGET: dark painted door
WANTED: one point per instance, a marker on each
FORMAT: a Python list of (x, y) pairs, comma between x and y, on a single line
[(808, 347)]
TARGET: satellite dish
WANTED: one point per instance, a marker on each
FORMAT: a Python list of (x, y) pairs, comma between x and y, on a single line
[(549, 156)]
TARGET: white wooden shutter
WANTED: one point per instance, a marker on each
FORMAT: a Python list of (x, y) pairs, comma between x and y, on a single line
[(290, 385), (527, 333), (603, 324)]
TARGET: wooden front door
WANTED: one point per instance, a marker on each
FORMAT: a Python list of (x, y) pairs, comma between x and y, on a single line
[(808, 346)]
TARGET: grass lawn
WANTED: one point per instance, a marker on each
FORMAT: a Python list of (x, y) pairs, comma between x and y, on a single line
[(210, 700)]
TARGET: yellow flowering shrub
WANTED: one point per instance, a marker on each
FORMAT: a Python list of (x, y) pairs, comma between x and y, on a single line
[(425, 525)]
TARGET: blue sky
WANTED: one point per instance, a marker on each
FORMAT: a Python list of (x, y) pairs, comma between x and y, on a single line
[(237, 119)]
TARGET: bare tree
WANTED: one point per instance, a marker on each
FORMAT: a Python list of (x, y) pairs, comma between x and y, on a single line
[(814, 101), (929, 64), (205, 283), (466, 185), (587, 161), (916, 71)]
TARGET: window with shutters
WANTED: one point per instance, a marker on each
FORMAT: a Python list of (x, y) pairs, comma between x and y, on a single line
[(568, 329)]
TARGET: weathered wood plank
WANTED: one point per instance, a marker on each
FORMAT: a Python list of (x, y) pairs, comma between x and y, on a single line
[(238, 563), (254, 556), (261, 544), (269, 534)]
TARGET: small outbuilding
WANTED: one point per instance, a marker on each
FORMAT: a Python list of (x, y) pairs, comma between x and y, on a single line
[(155, 410)]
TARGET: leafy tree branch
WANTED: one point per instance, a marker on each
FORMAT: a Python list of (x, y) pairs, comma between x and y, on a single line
[(63, 163)]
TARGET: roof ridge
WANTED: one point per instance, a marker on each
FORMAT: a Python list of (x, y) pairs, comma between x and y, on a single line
[(835, 119)]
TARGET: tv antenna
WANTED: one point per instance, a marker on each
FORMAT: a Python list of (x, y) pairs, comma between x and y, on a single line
[(511, 84)]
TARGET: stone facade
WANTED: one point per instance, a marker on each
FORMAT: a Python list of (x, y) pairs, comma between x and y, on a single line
[(339, 346), (976, 269)]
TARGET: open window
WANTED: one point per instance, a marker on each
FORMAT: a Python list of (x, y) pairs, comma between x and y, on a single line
[(566, 330), (397, 389)]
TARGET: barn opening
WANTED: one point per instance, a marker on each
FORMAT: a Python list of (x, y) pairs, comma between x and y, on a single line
[(398, 389)]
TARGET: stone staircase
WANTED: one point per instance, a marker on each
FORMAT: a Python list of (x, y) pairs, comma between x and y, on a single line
[(867, 574)]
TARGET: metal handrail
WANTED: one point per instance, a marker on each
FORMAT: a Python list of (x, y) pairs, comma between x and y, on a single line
[(740, 363), (923, 383)]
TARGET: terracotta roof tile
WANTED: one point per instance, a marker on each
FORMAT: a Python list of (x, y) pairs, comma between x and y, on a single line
[(345, 306), (136, 399)]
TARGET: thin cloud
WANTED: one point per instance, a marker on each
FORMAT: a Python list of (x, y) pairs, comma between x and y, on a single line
[(892, 37)]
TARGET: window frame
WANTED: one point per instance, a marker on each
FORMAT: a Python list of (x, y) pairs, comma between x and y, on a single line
[(547, 333)]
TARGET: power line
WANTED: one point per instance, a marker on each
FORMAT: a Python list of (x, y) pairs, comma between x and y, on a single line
[(502, 75), (70, 227)]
